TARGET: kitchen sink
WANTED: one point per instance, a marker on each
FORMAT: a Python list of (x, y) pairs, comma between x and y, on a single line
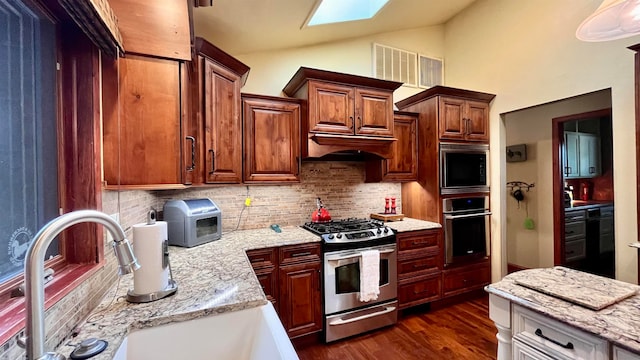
[(251, 334)]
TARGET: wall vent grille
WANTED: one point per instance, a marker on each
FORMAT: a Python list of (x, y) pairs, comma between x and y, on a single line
[(408, 67)]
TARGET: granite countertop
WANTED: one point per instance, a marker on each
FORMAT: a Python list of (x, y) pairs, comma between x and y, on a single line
[(618, 323), (212, 278)]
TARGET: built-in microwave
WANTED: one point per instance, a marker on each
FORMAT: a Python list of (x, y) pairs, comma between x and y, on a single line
[(463, 168)]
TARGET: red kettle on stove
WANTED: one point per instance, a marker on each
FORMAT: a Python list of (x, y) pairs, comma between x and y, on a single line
[(321, 214)]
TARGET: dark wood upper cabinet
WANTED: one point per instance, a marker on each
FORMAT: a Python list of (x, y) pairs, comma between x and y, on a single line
[(215, 119), (271, 139), (159, 28), (464, 120), (403, 166), (142, 137), (345, 112)]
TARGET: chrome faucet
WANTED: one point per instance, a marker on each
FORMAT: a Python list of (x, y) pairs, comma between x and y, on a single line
[(34, 271)]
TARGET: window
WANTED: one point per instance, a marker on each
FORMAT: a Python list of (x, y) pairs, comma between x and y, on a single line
[(28, 150), (49, 148)]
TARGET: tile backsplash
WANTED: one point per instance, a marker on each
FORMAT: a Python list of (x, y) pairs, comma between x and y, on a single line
[(340, 185)]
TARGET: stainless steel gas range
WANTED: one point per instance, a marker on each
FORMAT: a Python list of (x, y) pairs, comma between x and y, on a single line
[(343, 242)]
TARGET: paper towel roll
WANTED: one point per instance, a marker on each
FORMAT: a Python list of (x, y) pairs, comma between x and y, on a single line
[(147, 247)]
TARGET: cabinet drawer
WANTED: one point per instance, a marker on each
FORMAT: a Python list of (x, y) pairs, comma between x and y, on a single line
[(557, 340), (418, 240), (419, 291), (262, 258), (576, 215), (456, 281), (424, 264), (294, 254), (523, 352), (622, 354), (575, 250), (606, 211), (606, 225), (574, 230)]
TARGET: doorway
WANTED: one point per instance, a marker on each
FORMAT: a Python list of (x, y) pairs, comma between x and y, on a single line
[(531, 244), (583, 192)]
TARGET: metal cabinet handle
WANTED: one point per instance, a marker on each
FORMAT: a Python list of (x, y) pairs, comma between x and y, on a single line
[(297, 165), (568, 345), (387, 309), (213, 161), (193, 153), (592, 170), (567, 170)]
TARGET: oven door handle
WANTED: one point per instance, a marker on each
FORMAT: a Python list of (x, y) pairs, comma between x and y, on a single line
[(453, 217), (386, 310), (338, 258)]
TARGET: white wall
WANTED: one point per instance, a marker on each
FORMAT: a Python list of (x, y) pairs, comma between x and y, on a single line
[(532, 126), (526, 53), (270, 71)]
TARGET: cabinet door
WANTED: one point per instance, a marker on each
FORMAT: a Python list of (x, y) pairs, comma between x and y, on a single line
[(477, 121), (374, 112), (589, 160), (268, 278), (331, 108), (223, 127), (404, 164), (300, 306), (571, 146), (271, 140), (144, 145), (451, 123)]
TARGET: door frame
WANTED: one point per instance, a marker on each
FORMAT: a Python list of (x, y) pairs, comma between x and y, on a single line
[(557, 130)]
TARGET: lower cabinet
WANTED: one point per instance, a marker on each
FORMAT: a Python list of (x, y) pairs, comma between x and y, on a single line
[(552, 339), (466, 278), (291, 279), (419, 267)]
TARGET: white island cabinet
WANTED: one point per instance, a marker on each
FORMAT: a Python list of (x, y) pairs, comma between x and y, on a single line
[(580, 316)]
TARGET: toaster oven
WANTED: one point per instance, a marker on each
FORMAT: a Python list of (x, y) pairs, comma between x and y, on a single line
[(192, 222)]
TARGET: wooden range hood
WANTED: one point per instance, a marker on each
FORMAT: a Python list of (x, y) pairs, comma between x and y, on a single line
[(344, 114)]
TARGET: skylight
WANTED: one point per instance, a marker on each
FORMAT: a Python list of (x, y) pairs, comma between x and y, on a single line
[(335, 11)]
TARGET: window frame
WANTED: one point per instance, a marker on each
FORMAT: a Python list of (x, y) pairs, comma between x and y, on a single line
[(79, 166)]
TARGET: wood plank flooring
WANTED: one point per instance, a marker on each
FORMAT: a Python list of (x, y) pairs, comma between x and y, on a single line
[(461, 331)]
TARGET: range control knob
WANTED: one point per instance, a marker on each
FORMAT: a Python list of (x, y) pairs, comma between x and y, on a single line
[(386, 229), (330, 236), (379, 231), (339, 236)]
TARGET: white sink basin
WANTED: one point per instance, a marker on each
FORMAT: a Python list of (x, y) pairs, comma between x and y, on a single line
[(250, 334)]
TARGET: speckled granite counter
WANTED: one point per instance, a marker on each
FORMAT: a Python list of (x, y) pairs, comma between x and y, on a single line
[(212, 278), (618, 323), (409, 224)]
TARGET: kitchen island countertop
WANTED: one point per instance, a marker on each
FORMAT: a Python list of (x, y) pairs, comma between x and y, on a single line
[(618, 323), (212, 278)]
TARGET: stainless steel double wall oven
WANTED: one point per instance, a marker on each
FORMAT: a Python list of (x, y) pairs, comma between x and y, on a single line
[(464, 186)]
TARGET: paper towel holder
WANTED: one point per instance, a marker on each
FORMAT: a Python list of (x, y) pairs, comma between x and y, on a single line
[(171, 287)]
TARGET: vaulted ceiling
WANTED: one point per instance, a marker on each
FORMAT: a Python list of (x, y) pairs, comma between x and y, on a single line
[(246, 26)]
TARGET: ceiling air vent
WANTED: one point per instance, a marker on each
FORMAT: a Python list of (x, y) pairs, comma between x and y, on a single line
[(430, 71), (395, 64)]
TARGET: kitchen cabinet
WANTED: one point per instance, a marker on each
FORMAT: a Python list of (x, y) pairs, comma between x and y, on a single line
[(619, 353), (143, 136), (419, 267), (575, 245), (264, 263), (271, 139), (581, 155), (467, 278), (300, 289), (552, 339), (403, 166), (291, 278), (463, 120), (217, 122), (344, 112)]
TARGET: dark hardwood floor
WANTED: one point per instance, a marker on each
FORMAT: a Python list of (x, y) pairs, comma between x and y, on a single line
[(459, 331)]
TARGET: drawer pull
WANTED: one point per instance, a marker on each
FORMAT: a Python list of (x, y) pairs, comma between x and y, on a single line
[(306, 253), (568, 345), (415, 292), (419, 242), (570, 232), (257, 259)]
